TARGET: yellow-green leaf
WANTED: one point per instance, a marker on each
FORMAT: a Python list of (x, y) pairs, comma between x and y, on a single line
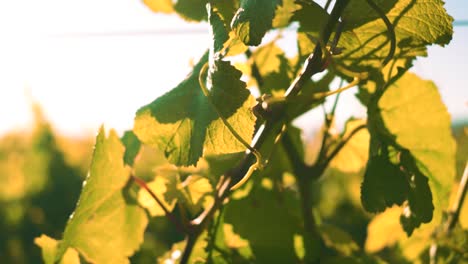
[(49, 247), (107, 225)]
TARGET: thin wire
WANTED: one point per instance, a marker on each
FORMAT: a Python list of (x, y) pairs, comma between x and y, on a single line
[(201, 31)]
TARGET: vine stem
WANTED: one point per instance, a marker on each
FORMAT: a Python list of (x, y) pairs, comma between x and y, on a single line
[(314, 64), (180, 227), (191, 240), (454, 213), (305, 176), (312, 239), (458, 205)]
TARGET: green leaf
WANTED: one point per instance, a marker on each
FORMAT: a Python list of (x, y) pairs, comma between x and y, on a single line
[(420, 208), (414, 117), (269, 233), (219, 164), (411, 118), (305, 46), (194, 191), (311, 17), (107, 225), (165, 188), (220, 14), (191, 10), (284, 13), (132, 147), (417, 23), (226, 9), (384, 230), (183, 124), (359, 12), (49, 247), (353, 156), (163, 6), (274, 68), (384, 185), (253, 19), (338, 239), (219, 32), (234, 102)]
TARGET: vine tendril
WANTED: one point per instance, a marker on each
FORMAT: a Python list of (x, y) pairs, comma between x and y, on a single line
[(390, 31)]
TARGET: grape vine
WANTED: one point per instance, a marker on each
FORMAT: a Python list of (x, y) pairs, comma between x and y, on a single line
[(237, 180)]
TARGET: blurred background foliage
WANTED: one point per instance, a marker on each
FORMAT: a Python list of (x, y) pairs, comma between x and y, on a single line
[(41, 174)]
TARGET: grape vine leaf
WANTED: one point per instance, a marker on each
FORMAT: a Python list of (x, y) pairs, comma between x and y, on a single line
[(359, 12), (353, 156), (165, 188), (49, 247), (269, 244), (219, 31), (234, 101), (420, 207), (224, 39), (338, 239), (183, 124), (105, 212), (132, 147), (253, 19), (226, 9), (384, 230), (384, 185), (311, 17), (284, 13), (417, 23), (274, 68), (412, 104), (190, 10), (163, 6)]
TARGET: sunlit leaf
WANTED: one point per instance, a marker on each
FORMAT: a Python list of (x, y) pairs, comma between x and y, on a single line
[(353, 156), (224, 39), (284, 13), (105, 212), (168, 187), (165, 188), (49, 247), (415, 118), (182, 122), (384, 230), (417, 23), (163, 6), (407, 106), (191, 10), (253, 19), (274, 69)]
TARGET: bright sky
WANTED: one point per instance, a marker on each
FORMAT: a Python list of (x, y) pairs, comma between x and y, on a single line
[(64, 54)]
